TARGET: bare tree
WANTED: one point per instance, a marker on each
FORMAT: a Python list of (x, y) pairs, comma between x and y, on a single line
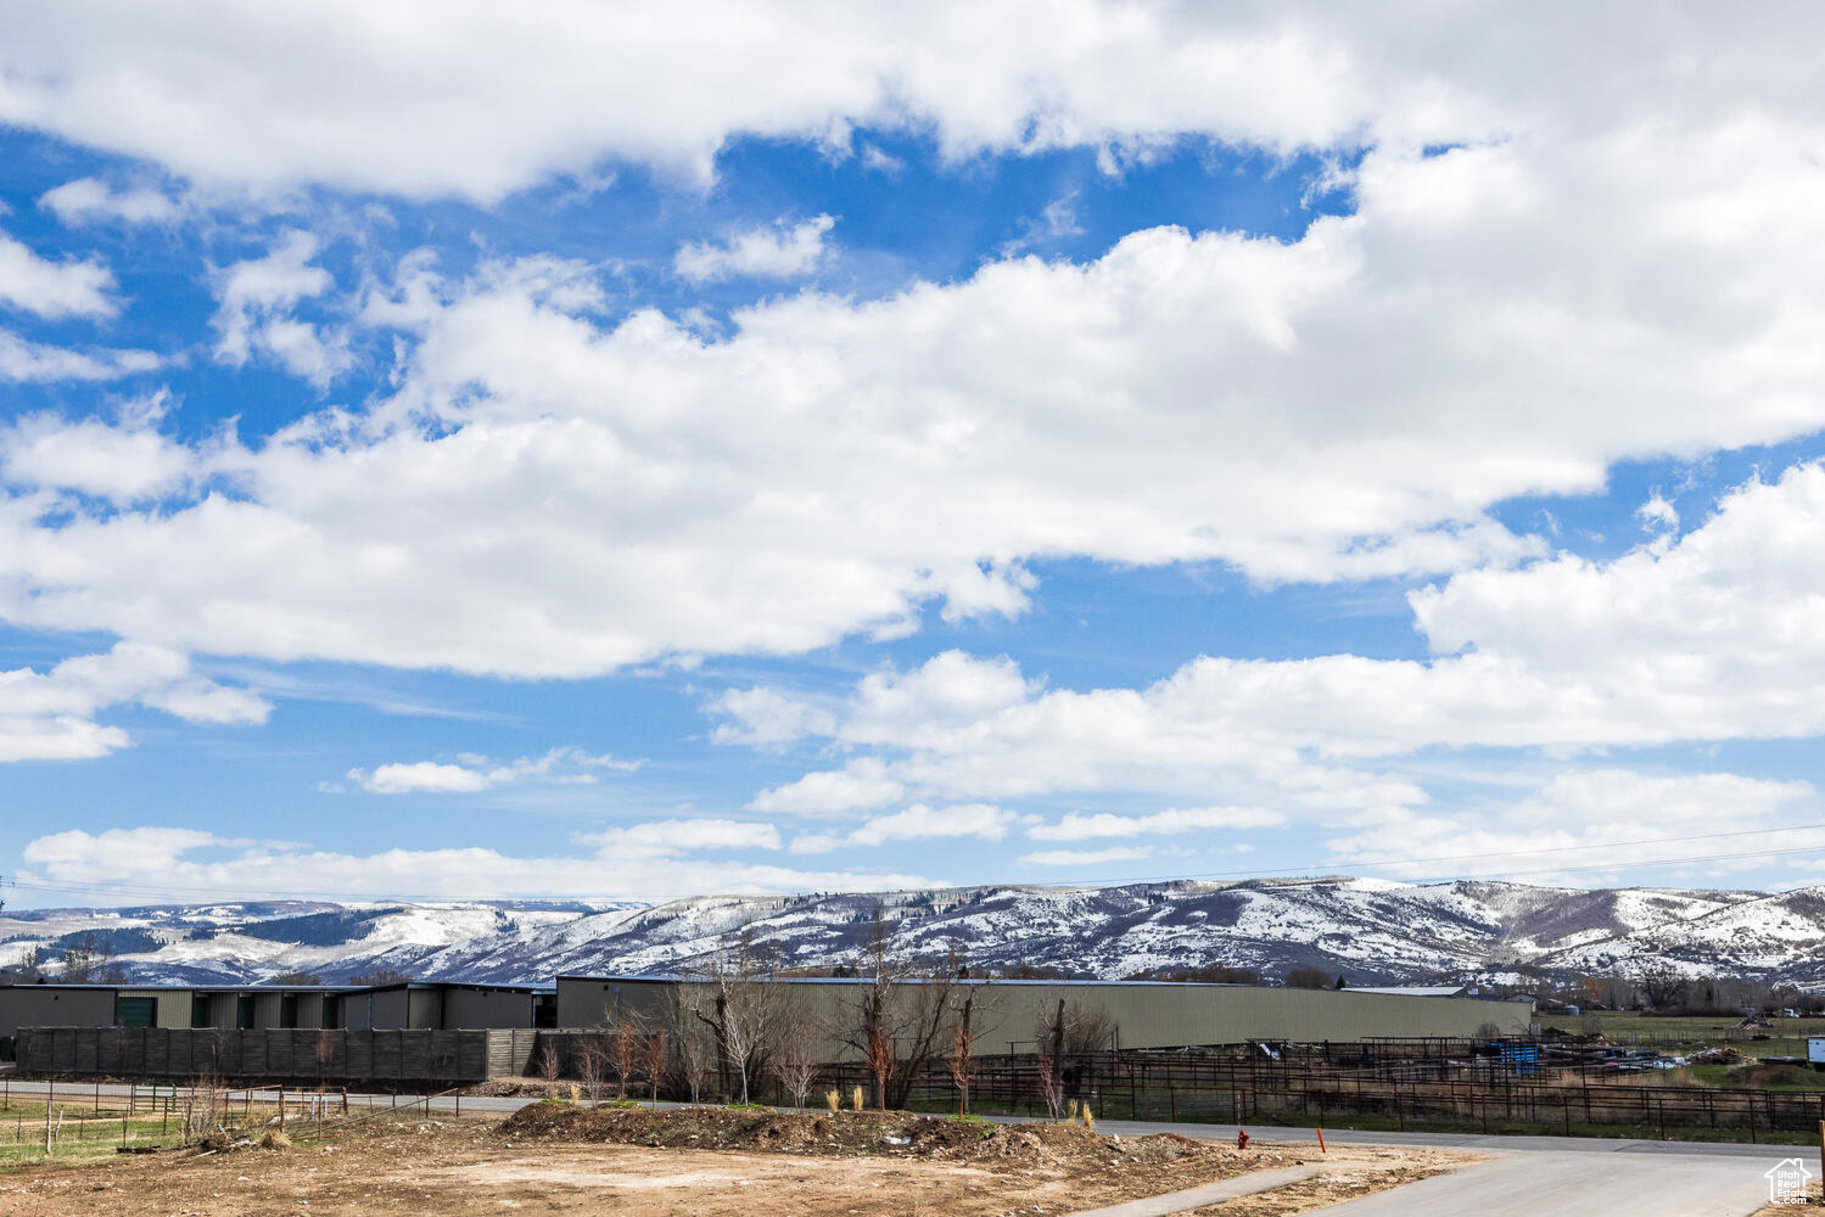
[(205, 1108), (592, 1064), (1065, 1036), (741, 1007), (1663, 986), (29, 969), (694, 1058), (693, 1052), (326, 1051), (624, 1053), (1051, 1086), (794, 1060), (900, 1015), (87, 960), (656, 1048), (962, 1057), (380, 977), (550, 1069)]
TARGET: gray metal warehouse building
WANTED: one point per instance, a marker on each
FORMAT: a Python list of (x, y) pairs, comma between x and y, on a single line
[(1144, 1014), (434, 1006)]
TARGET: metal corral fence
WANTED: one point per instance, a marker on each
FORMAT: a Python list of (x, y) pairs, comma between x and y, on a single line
[(1377, 1089), (387, 1057)]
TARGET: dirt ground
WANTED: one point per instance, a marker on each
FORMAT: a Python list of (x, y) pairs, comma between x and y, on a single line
[(551, 1163), (1815, 1197)]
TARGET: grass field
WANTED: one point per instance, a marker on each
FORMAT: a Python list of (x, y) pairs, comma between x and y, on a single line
[(79, 1134), (1786, 1036)]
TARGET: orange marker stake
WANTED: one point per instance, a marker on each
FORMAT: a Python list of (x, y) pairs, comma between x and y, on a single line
[(1321, 1148)]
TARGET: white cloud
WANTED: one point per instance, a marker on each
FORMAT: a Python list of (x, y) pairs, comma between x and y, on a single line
[(919, 822), (834, 466), (350, 96), (1055, 221), (1657, 513), (1086, 857), (1076, 826), (420, 777), (253, 318), (767, 718), (1586, 825), (778, 252), (122, 461), (563, 766), (55, 290), (90, 200), (51, 715), (669, 838), (23, 361), (1583, 277), (916, 823), (862, 786), (188, 862), (1713, 636)]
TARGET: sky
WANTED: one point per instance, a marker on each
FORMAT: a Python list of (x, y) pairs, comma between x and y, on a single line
[(453, 452)]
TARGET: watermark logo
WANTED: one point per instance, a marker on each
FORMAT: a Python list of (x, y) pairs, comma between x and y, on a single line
[(1787, 1182)]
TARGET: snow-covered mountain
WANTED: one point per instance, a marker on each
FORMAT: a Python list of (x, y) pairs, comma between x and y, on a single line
[(1371, 931)]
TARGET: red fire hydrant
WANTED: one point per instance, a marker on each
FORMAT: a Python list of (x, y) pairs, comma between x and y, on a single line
[(1241, 1138)]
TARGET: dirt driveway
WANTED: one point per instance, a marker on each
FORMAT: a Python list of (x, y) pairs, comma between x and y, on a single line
[(469, 1168)]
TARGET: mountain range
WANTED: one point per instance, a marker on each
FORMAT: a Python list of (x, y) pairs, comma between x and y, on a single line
[(1369, 931)]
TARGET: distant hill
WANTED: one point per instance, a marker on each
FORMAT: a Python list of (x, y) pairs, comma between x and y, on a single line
[(1369, 930)]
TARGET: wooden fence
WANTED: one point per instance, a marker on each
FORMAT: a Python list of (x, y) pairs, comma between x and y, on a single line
[(392, 1057)]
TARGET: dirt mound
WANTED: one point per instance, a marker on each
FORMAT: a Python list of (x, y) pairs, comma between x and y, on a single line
[(845, 1134)]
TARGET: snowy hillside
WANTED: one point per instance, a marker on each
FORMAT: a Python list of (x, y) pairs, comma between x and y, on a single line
[(1371, 931)]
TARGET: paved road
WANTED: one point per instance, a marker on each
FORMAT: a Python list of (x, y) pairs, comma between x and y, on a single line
[(1553, 1176), (1524, 1176), (1566, 1182)]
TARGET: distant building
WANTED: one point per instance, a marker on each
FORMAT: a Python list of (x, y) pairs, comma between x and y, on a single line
[(1140, 1014), (408, 1005)]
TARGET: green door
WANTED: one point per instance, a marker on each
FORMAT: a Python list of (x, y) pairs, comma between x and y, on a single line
[(135, 1011)]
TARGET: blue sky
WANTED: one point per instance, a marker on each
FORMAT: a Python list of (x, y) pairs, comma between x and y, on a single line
[(749, 450)]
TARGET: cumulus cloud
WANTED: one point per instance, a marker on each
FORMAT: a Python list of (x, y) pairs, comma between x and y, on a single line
[(1584, 824), (121, 460), (563, 766), (761, 717), (253, 315), (66, 288), (776, 252), (242, 96), (1709, 637), (861, 786), (189, 860), (90, 200), (1296, 409), (51, 715)]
